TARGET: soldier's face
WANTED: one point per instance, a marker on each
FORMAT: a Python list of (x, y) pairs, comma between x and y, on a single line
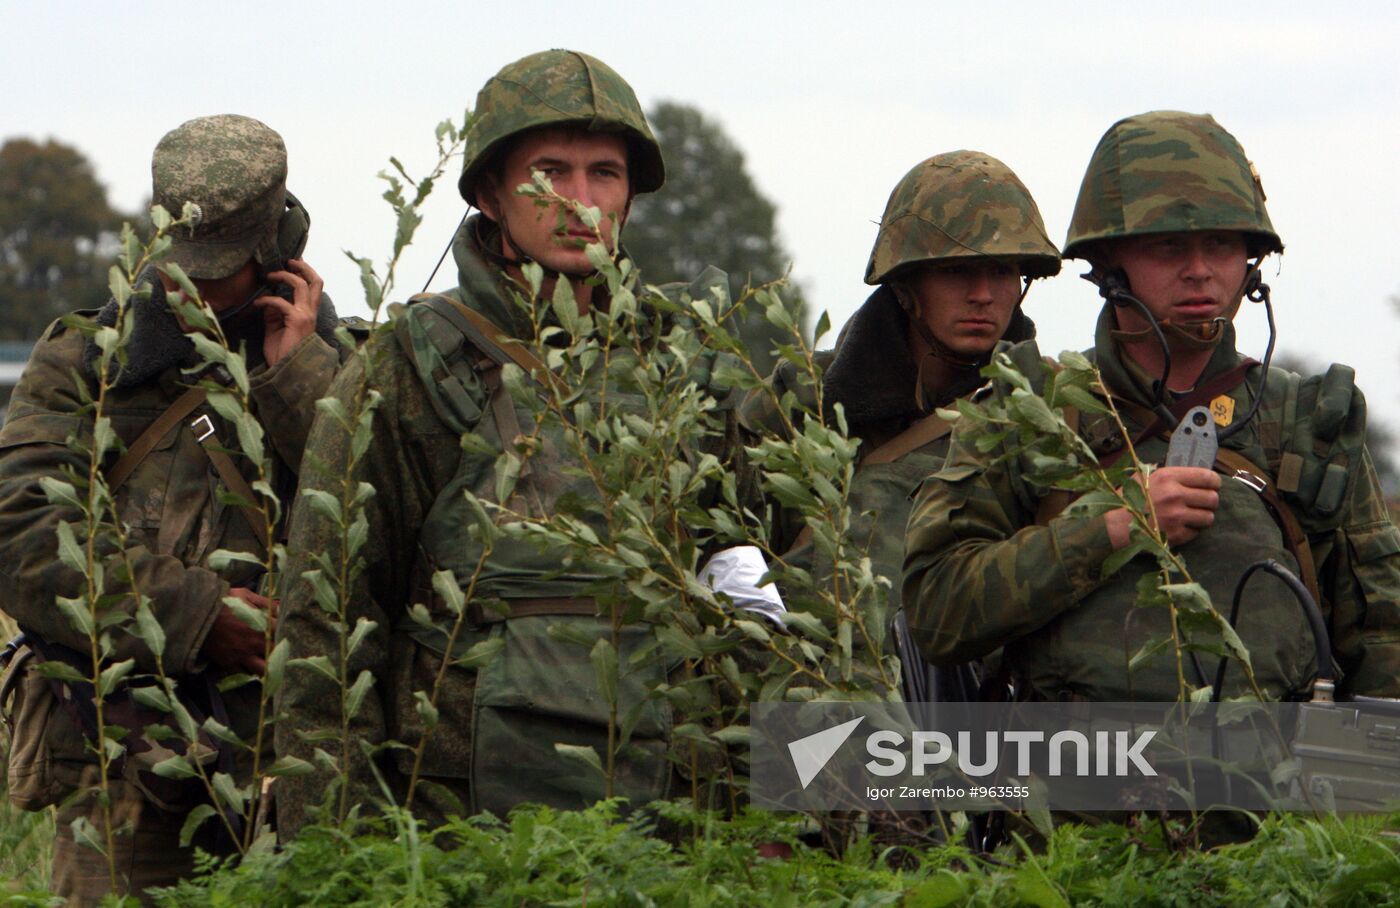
[(967, 306), (1182, 277), (583, 167)]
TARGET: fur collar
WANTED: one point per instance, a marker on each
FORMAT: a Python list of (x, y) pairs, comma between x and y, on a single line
[(874, 371), (157, 342)]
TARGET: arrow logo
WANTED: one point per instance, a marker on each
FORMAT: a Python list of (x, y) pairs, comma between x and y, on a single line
[(812, 753)]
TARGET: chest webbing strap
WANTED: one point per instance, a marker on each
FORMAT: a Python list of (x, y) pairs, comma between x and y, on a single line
[(203, 427), (921, 432)]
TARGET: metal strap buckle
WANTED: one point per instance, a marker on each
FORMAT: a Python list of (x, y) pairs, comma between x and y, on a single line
[(201, 433), (1249, 479)]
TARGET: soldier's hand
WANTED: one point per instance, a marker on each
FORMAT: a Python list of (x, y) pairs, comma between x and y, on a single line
[(1184, 500), (286, 324), (232, 644)]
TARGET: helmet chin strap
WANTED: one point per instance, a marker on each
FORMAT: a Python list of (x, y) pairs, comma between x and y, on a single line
[(936, 348), (1195, 336)]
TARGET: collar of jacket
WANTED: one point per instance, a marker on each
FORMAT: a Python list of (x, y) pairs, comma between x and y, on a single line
[(1108, 356), (874, 369), (158, 342), (484, 285)]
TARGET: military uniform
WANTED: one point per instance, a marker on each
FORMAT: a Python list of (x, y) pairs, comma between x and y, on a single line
[(170, 503), (982, 571), (953, 208), (436, 370)]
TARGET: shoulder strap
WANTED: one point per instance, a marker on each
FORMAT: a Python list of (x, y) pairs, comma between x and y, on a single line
[(487, 337), (203, 427), (923, 431), (1293, 536), (146, 442)]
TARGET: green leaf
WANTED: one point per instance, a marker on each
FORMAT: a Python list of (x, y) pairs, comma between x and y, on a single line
[(62, 671), (193, 820), (104, 438), (325, 504), (756, 631), (277, 666), (319, 664), (1115, 561), (427, 712), (1147, 652), (289, 766), (59, 492), (581, 754), (69, 552), (604, 659), (113, 675), (255, 618), (738, 735), (176, 767), (445, 585), (363, 627), (151, 698), (220, 559), (480, 653), (229, 793), (77, 613), (356, 695)]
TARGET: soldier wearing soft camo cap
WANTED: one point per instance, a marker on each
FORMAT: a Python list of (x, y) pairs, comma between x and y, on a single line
[(1172, 221), (170, 494), (233, 170), (437, 371), (959, 244)]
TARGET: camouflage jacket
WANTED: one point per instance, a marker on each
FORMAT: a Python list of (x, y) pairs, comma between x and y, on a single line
[(170, 504), (497, 723), (872, 374), (980, 573)]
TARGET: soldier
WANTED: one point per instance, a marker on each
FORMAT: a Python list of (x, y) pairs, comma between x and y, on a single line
[(1172, 221), (959, 244), (442, 419), (170, 494)]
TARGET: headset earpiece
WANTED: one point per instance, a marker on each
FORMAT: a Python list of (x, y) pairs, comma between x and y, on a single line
[(293, 229)]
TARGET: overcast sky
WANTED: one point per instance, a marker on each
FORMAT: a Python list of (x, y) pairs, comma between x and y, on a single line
[(831, 106)]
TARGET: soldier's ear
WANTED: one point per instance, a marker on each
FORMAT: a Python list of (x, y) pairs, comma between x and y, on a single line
[(486, 199)]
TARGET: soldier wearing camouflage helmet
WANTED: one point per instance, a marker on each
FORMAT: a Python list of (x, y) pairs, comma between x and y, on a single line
[(1171, 218), (958, 246), (169, 493), (437, 370)]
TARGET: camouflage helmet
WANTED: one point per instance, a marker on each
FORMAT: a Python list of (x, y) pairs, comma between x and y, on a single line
[(559, 88), (961, 205), (1164, 172), (234, 171)]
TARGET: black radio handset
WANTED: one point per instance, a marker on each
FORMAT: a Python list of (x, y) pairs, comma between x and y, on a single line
[(293, 229), (1113, 287)]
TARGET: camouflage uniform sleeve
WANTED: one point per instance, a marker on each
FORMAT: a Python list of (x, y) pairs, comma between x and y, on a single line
[(45, 410), (1362, 585), (410, 456), (285, 395), (978, 571)]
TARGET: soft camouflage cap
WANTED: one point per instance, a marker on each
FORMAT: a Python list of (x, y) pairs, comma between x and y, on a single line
[(234, 170), (1164, 172), (559, 88), (961, 205)]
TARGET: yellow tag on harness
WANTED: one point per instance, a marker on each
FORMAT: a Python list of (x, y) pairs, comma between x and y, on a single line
[(1222, 410)]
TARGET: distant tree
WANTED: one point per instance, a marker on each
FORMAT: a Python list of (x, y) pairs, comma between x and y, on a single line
[(1381, 439), (57, 235), (708, 213)]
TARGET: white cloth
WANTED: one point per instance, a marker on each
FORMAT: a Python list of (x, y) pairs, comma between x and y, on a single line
[(736, 572)]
